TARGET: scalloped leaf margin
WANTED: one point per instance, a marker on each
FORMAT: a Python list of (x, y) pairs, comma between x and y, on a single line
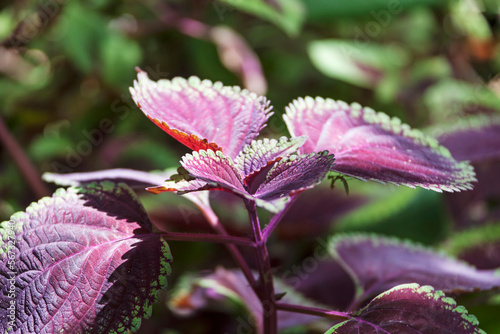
[(84, 260), (370, 145), (411, 306)]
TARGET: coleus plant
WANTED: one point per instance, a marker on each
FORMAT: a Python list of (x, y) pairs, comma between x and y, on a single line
[(89, 260)]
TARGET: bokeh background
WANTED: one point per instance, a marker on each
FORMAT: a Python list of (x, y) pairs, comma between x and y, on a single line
[(66, 65)]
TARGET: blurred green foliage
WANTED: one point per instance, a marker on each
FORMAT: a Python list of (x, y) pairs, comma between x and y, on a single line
[(65, 69)]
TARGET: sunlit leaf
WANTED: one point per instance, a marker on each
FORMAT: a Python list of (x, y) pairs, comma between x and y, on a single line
[(359, 63), (287, 14), (201, 114), (372, 146), (133, 178), (85, 261)]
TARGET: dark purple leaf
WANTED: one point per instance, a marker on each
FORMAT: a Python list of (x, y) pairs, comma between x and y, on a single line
[(295, 174), (481, 204), (86, 261), (410, 309), (476, 139), (372, 146), (200, 114), (379, 263), (314, 213), (314, 273)]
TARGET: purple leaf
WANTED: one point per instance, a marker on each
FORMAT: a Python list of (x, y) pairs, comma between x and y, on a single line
[(314, 214), (181, 187), (295, 174), (224, 286), (379, 263), (476, 139), (372, 146), (214, 171), (86, 261), (133, 178), (260, 153), (411, 309), (478, 246), (201, 114)]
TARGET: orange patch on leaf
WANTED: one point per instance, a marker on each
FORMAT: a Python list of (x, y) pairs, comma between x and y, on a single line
[(191, 141), (159, 189)]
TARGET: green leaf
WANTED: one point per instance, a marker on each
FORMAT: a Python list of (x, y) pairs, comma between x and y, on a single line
[(119, 56), (82, 30), (472, 238), (357, 62), (289, 16), (324, 10), (448, 99), (468, 17), (420, 210)]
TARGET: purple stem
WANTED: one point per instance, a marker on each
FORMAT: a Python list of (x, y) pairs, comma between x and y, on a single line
[(313, 311), (212, 218), (225, 239), (265, 284), (277, 218), (29, 172)]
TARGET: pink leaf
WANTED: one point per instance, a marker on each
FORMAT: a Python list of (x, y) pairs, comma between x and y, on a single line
[(372, 146), (200, 114), (214, 168)]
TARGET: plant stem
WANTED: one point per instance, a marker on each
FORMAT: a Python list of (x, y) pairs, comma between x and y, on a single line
[(225, 239), (313, 311), (277, 219), (29, 172), (266, 286), (213, 220)]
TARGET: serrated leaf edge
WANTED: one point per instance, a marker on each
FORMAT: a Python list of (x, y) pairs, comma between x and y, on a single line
[(465, 171)]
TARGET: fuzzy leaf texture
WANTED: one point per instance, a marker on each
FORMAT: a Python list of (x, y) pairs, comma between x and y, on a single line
[(378, 263), (132, 178), (86, 261), (214, 170), (372, 146), (260, 153), (410, 309), (200, 114)]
